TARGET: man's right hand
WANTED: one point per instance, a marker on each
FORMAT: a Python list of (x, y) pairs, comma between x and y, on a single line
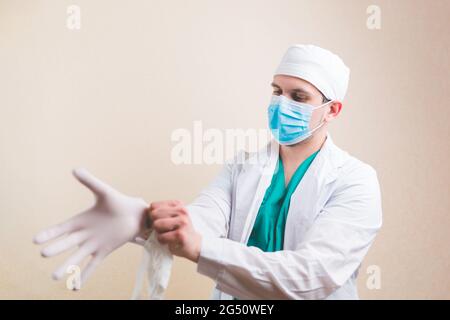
[(112, 221)]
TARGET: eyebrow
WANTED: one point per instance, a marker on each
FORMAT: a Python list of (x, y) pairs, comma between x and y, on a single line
[(298, 90)]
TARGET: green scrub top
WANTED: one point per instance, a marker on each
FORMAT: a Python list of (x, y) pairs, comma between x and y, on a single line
[(268, 230)]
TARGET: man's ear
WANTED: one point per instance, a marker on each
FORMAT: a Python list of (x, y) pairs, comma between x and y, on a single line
[(335, 109)]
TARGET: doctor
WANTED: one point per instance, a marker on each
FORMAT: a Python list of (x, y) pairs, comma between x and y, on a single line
[(292, 221)]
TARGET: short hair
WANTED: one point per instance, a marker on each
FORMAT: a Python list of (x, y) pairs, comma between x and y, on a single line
[(324, 99)]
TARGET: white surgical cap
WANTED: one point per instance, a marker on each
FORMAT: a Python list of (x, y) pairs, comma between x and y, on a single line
[(322, 68)]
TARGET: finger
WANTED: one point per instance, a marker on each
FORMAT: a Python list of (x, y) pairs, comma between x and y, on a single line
[(90, 267), (163, 212), (57, 230), (174, 237), (75, 259), (165, 203), (168, 224), (91, 182), (67, 243)]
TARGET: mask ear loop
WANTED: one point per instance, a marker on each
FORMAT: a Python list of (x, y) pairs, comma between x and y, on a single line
[(323, 105), (310, 133), (322, 122)]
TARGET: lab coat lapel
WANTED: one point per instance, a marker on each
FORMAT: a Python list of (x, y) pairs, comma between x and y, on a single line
[(256, 176), (250, 187), (308, 198)]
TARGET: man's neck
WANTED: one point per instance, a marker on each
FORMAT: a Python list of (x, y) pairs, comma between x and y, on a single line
[(299, 152)]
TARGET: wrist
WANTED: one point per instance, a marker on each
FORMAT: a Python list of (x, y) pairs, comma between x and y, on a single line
[(144, 225), (196, 248)]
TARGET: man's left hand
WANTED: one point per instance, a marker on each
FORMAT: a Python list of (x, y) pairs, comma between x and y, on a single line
[(171, 221)]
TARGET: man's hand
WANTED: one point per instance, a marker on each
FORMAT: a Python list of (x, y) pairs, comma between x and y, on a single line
[(112, 221), (171, 221)]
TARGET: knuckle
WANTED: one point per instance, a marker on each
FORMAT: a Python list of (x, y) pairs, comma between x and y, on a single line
[(156, 204), (174, 203), (180, 236), (154, 214), (185, 220), (157, 224)]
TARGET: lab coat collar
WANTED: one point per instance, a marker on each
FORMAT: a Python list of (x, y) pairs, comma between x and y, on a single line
[(329, 159), (261, 166), (332, 153), (329, 151)]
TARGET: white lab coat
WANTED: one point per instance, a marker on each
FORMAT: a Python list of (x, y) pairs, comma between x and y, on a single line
[(333, 218)]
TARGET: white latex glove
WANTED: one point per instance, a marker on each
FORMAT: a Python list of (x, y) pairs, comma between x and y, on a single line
[(155, 269), (112, 221)]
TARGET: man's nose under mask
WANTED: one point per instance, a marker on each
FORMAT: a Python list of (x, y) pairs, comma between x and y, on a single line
[(289, 120)]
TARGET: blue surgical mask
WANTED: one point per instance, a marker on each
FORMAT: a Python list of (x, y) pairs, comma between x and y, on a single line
[(289, 120)]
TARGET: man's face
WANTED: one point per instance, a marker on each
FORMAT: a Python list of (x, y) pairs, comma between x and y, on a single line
[(301, 91)]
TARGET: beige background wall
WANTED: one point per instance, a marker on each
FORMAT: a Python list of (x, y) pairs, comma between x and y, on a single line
[(109, 95)]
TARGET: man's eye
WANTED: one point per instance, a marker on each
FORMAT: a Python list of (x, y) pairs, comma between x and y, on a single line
[(277, 93), (299, 98)]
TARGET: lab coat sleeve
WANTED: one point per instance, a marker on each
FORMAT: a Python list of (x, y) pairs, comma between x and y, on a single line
[(330, 253), (210, 211)]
